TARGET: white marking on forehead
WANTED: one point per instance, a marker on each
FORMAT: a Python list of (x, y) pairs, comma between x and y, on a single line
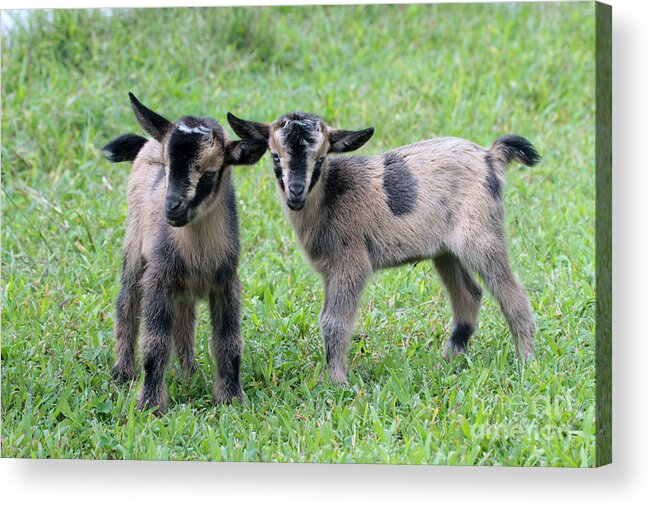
[(305, 122), (201, 129)]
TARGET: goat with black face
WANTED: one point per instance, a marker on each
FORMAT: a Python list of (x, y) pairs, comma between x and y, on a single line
[(181, 244)]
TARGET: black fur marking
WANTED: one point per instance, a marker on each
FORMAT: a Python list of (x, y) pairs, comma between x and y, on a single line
[(400, 186), (224, 273), (158, 314), (461, 334), (316, 174), (518, 148), (278, 171), (338, 181), (124, 148), (158, 317), (299, 133), (183, 149), (341, 176), (235, 366), (224, 312), (492, 182), (205, 187), (170, 270)]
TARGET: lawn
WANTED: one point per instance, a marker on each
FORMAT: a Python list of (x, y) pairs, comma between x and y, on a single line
[(414, 72)]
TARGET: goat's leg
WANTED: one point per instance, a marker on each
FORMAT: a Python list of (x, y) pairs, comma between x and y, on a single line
[(465, 298), (184, 333), (158, 309), (342, 292), (493, 266), (127, 320), (226, 339)]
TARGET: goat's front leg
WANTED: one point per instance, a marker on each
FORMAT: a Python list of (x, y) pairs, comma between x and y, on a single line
[(226, 339), (183, 333), (158, 310), (342, 292), (127, 320)]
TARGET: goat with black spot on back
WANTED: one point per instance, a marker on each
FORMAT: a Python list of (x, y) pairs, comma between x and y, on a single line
[(181, 244), (439, 199)]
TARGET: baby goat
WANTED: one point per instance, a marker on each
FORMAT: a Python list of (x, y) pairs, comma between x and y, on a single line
[(439, 199), (181, 244)]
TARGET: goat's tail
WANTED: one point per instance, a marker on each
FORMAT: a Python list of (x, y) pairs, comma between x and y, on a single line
[(124, 148), (508, 148)]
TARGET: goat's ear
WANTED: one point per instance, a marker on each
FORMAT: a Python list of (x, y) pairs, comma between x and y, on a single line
[(153, 123), (249, 130), (348, 140), (244, 152)]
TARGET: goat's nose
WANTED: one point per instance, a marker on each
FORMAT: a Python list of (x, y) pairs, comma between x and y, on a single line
[(173, 204), (296, 190)]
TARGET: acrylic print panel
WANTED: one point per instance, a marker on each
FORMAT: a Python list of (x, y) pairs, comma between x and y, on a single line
[(413, 72)]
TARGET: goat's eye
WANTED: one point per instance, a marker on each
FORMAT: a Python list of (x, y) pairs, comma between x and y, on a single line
[(275, 157)]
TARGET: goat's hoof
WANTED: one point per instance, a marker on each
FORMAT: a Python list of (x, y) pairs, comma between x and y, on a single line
[(190, 368), (452, 350), (527, 356), (123, 374), (158, 410), (338, 378), (158, 403), (225, 394)]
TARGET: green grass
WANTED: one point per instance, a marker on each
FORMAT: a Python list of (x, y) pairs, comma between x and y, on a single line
[(414, 72)]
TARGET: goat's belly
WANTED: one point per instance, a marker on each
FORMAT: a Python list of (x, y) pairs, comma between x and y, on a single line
[(390, 252)]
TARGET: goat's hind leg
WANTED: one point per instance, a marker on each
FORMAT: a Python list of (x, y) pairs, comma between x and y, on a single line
[(127, 320), (494, 267), (465, 298)]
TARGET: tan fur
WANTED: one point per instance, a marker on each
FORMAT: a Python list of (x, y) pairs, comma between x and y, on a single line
[(439, 165)]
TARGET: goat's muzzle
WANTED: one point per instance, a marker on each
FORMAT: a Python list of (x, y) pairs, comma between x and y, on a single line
[(176, 211), (295, 195), (295, 205)]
